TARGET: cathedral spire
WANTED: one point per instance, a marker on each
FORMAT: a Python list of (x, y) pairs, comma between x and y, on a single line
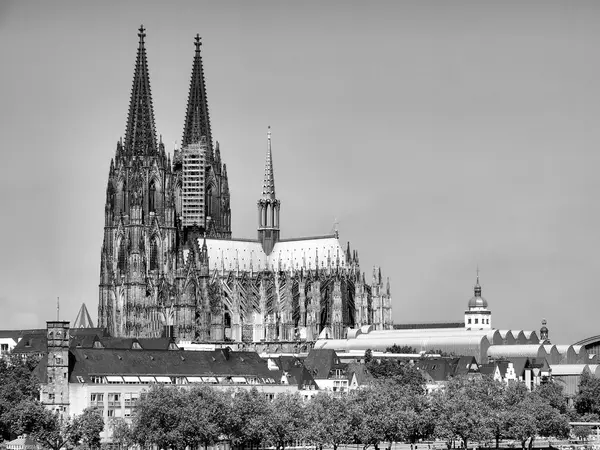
[(140, 134), (268, 190), (197, 121)]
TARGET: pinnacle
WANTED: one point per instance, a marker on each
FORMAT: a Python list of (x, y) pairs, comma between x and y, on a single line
[(268, 190)]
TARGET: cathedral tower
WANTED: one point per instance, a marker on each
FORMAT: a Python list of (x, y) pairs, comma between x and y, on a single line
[(268, 205), (139, 227), (201, 185)]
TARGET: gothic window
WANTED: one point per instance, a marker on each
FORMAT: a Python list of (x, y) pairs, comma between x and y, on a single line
[(151, 197), (121, 261), (209, 203), (123, 198), (227, 320), (153, 255)]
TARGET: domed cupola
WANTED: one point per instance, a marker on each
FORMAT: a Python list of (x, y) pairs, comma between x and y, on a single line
[(477, 301), (478, 316)]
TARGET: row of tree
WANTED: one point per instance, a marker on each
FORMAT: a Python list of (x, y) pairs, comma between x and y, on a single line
[(470, 409)]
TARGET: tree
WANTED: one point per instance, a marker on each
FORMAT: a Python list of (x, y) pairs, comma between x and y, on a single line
[(406, 349), (248, 419), (86, 428), (582, 432), (329, 420), (158, 416), (460, 411), (535, 416), (18, 383), (287, 420), (588, 398), (203, 416), (47, 427), (121, 432)]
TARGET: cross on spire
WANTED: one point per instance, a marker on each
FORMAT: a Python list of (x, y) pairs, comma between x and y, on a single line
[(198, 42), (142, 33)]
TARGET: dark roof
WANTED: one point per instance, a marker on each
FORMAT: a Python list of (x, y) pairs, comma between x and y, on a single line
[(360, 370), (287, 363), (320, 362), (16, 334), (487, 369), (300, 376), (439, 369), (413, 326), (106, 361), (464, 365), (33, 342)]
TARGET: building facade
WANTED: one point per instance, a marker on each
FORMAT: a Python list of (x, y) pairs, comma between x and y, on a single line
[(168, 259)]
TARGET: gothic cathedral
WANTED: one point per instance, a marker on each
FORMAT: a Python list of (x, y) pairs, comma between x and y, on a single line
[(169, 263)]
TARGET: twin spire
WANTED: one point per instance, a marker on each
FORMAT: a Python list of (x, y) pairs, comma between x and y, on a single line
[(140, 133)]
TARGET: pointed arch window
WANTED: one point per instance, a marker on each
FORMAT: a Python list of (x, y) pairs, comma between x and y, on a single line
[(152, 197), (154, 255), (121, 261), (123, 198), (209, 202)]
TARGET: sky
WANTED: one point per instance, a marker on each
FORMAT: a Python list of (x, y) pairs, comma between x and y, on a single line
[(441, 136)]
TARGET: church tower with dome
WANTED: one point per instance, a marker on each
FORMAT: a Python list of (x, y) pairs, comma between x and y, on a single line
[(478, 316), (169, 263)]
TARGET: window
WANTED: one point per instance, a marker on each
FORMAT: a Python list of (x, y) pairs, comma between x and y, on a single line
[(96, 379), (151, 196), (122, 259), (51, 397), (476, 321), (3, 347), (153, 255), (469, 321), (111, 413), (50, 379)]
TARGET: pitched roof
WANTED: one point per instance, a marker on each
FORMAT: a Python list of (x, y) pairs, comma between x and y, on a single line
[(83, 319), (222, 362), (321, 362)]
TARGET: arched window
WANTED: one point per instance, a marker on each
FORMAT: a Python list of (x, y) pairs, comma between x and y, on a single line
[(227, 320), (151, 197), (209, 203), (122, 260), (153, 255)]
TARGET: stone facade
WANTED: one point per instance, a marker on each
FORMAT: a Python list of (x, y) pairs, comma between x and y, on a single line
[(168, 267)]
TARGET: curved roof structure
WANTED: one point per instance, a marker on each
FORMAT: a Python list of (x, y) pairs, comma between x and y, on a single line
[(507, 337), (568, 355), (460, 345), (493, 336), (508, 351), (594, 370), (568, 369), (531, 337)]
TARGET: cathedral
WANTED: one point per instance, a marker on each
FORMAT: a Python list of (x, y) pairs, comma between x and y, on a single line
[(169, 264)]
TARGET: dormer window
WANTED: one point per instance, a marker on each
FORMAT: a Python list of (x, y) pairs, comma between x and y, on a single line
[(136, 346)]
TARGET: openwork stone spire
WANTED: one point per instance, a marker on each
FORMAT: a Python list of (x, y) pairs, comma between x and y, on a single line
[(140, 135), (268, 190), (197, 121)]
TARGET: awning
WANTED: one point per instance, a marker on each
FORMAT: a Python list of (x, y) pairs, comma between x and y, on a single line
[(147, 379), (114, 379), (209, 379), (238, 379), (131, 379), (163, 379), (194, 379)]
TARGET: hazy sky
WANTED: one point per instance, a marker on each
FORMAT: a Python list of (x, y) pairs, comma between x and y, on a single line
[(441, 135)]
